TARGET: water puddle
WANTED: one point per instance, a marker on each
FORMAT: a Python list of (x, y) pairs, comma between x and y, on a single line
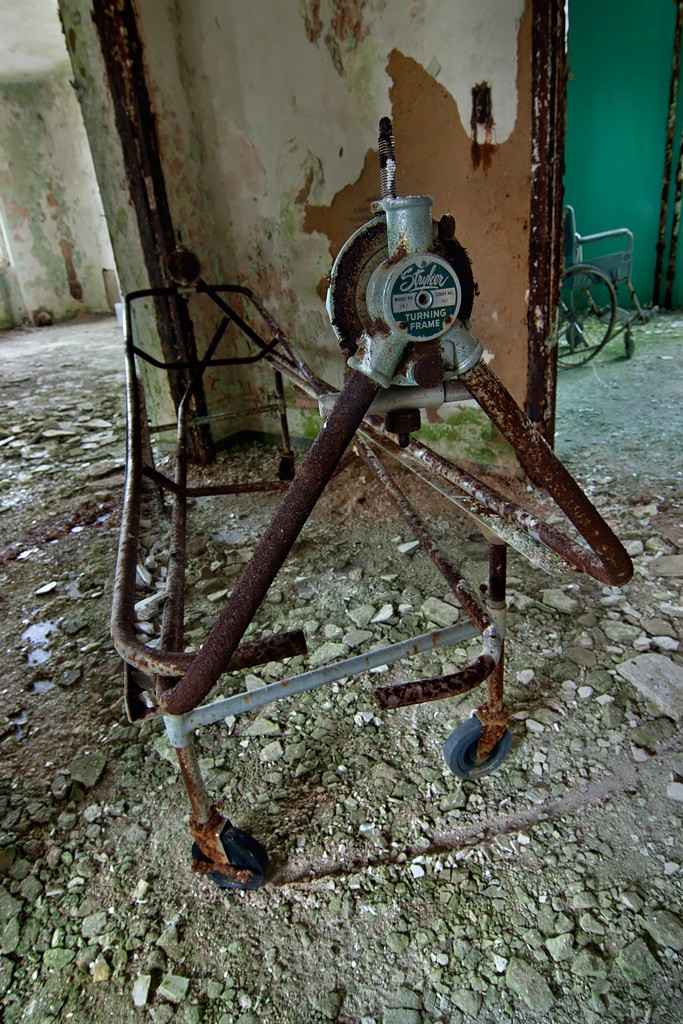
[(234, 536), (41, 686), (38, 656), (39, 632), (38, 635), (17, 720)]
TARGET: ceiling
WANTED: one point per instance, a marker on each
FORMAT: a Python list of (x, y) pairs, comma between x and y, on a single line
[(31, 39)]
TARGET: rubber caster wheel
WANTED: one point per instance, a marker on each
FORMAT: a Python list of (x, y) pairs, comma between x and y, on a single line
[(460, 751), (243, 852), (629, 344)]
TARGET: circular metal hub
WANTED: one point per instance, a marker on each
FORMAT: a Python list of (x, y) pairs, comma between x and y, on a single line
[(422, 296), (365, 250)]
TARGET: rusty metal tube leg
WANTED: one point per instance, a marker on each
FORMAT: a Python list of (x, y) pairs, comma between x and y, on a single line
[(494, 715), (277, 541), (497, 574), (287, 455), (200, 802), (541, 463), (173, 620), (402, 694), (206, 821), (456, 581)]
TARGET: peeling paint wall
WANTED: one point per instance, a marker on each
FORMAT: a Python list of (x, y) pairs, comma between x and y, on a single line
[(267, 119), (12, 307), (55, 231)]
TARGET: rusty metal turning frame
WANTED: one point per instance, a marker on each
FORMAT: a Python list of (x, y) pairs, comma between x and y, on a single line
[(399, 301), (165, 679)]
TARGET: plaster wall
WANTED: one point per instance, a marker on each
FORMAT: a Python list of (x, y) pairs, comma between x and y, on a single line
[(55, 231), (12, 308), (267, 118)]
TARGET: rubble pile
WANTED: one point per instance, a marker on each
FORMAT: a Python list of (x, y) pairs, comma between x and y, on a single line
[(549, 891)]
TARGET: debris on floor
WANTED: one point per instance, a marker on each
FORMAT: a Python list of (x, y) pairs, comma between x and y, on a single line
[(549, 891)]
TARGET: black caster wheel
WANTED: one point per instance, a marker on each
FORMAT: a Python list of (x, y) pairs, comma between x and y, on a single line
[(243, 852), (460, 751), (629, 343)]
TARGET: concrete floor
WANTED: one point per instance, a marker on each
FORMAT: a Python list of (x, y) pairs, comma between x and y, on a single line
[(547, 892)]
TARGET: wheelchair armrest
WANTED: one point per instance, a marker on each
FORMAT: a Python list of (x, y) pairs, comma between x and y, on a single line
[(602, 235)]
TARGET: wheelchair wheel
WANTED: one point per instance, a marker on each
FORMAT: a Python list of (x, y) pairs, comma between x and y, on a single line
[(586, 316)]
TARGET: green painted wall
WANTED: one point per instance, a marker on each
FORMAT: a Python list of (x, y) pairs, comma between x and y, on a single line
[(620, 55)]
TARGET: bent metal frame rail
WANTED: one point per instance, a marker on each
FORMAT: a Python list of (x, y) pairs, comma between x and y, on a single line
[(399, 301)]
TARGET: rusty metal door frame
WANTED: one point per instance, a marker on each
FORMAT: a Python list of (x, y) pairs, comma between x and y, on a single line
[(548, 112)]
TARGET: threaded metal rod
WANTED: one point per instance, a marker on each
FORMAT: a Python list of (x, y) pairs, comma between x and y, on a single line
[(387, 159)]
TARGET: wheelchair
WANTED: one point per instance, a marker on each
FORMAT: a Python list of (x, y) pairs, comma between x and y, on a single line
[(589, 314)]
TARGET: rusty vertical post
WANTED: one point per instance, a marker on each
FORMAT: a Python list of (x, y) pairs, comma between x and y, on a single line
[(668, 151), (497, 604), (548, 91), (494, 715), (287, 460), (122, 47), (675, 230), (200, 802)]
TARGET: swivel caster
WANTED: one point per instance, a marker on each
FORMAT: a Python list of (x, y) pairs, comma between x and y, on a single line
[(460, 751), (243, 852)]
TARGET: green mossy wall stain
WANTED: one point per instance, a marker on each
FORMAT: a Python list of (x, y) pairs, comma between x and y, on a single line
[(290, 215), (57, 244), (301, 175), (364, 79), (6, 315), (306, 422), (27, 183), (227, 389), (468, 434)]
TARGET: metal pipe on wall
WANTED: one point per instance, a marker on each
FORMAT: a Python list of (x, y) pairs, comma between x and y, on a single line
[(123, 52)]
